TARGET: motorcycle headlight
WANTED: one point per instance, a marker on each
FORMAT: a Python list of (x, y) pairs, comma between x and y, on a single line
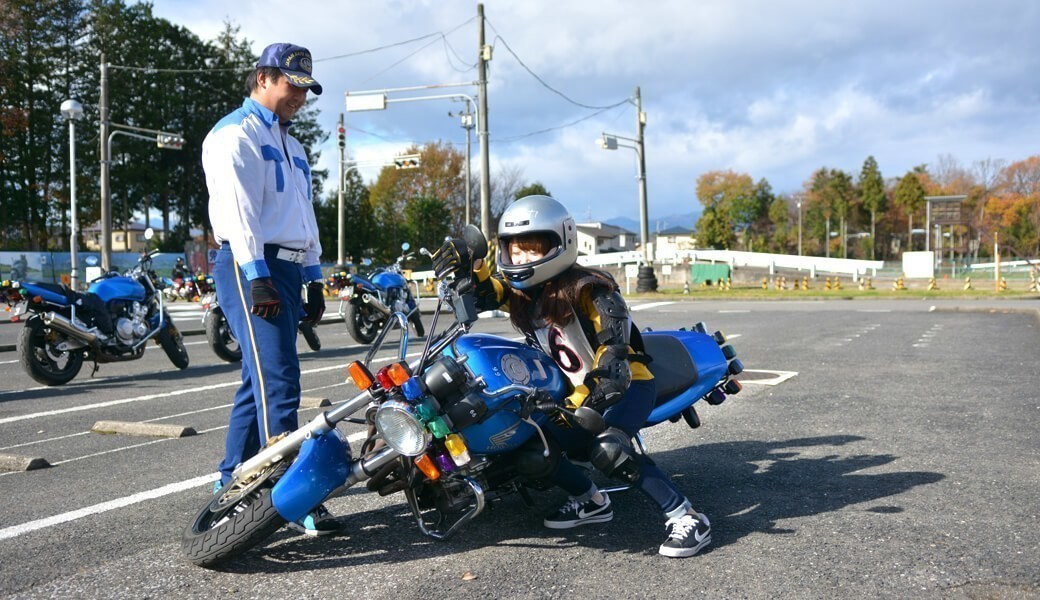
[(401, 428)]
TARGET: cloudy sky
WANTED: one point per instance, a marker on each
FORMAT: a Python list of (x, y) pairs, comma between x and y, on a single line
[(775, 89)]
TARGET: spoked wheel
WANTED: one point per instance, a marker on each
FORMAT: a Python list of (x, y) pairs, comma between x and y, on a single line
[(42, 360), (220, 338), (239, 517), (359, 326)]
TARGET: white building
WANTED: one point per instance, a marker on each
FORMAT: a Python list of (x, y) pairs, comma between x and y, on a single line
[(673, 241), (600, 238)]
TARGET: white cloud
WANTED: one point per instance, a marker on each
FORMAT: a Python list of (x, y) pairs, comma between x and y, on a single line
[(774, 89)]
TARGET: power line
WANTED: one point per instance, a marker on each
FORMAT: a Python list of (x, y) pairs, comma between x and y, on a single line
[(546, 85), (514, 138)]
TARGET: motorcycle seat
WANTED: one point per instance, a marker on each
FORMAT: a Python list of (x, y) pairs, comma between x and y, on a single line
[(672, 367), (57, 288)]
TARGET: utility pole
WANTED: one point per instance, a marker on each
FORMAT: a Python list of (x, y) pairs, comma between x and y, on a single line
[(483, 55), (644, 230), (106, 206), (341, 211)]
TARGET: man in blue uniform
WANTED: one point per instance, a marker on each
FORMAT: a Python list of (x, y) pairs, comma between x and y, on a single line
[(259, 184)]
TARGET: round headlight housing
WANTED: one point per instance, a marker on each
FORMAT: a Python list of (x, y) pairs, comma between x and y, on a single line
[(401, 428)]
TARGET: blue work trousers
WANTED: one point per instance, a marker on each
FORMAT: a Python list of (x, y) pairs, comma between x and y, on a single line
[(267, 401), (628, 415)]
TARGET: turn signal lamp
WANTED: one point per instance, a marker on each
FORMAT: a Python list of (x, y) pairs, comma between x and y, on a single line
[(383, 377), (412, 389), (428, 468), (438, 428), (361, 376), (398, 373), (457, 448)]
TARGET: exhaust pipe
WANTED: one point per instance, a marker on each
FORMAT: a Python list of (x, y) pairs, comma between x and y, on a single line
[(375, 303), (64, 325)]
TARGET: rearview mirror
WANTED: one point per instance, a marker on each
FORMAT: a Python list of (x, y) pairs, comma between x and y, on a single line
[(475, 241)]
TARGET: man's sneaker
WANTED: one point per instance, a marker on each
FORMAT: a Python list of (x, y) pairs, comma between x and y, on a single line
[(686, 535), (573, 514), (316, 523)]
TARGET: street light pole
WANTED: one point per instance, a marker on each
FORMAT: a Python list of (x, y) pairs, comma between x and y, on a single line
[(106, 208), (644, 225), (484, 55), (72, 110)]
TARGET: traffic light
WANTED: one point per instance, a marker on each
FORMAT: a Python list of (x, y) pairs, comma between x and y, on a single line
[(169, 141), (342, 136), (407, 161)]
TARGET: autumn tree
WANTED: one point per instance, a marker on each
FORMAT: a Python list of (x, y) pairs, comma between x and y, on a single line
[(720, 192)]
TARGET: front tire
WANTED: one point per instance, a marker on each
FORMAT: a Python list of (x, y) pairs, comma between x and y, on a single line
[(220, 338), (311, 336), (41, 360), (173, 344), (224, 530), (359, 327)]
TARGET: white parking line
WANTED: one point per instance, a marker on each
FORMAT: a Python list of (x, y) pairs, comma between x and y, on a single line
[(651, 305), (103, 507), (781, 376)]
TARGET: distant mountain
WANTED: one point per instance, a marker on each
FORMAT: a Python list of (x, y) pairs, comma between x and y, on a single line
[(688, 221)]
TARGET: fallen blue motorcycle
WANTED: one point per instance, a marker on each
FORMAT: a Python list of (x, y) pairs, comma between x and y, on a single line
[(111, 322), (454, 429)]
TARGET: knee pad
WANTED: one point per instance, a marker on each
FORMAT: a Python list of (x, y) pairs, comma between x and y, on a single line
[(531, 462), (613, 455)]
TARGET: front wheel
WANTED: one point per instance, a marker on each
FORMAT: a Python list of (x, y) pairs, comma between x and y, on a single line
[(173, 344), (220, 338), (41, 360), (417, 323), (230, 525), (359, 326), (311, 336)]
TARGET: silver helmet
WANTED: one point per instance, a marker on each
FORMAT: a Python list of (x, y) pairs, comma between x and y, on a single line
[(537, 215)]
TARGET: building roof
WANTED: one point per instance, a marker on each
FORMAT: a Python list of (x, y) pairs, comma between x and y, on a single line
[(675, 231), (602, 229)]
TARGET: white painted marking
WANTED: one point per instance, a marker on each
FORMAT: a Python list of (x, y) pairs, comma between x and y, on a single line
[(731, 311), (651, 305), (781, 376), (103, 507), (874, 310)]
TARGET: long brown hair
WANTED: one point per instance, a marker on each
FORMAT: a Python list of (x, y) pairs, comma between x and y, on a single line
[(553, 300)]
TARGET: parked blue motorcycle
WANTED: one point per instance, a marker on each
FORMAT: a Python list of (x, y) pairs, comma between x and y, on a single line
[(370, 300), (454, 429), (111, 322)]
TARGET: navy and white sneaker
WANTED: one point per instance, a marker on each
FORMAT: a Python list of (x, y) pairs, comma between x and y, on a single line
[(573, 514), (318, 522), (686, 535)]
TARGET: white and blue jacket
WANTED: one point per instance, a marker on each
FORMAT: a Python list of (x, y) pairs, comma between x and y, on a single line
[(260, 189)]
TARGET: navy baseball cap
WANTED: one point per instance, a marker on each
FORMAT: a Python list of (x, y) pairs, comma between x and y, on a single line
[(293, 61)]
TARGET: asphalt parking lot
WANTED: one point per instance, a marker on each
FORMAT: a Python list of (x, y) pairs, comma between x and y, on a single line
[(879, 449)]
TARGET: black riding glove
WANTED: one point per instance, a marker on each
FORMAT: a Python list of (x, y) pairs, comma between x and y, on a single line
[(452, 258), (266, 301), (607, 393), (314, 306)]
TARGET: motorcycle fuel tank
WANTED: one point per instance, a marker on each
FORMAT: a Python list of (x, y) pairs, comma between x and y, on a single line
[(502, 363), (122, 288), (388, 280)]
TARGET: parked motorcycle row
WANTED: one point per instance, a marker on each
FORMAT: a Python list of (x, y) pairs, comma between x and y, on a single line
[(451, 430), (119, 313)]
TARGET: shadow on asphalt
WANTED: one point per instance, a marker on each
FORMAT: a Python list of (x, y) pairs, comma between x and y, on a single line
[(745, 487)]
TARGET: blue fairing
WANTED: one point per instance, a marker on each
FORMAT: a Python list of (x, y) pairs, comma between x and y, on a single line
[(711, 368), (388, 280), (501, 362), (121, 288), (322, 466)]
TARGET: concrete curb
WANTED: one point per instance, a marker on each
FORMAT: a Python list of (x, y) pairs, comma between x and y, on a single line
[(142, 429), (16, 462)]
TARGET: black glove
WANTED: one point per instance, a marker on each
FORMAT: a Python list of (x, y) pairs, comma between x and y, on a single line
[(266, 301), (452, 258), (606, 393), (314, 306)]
